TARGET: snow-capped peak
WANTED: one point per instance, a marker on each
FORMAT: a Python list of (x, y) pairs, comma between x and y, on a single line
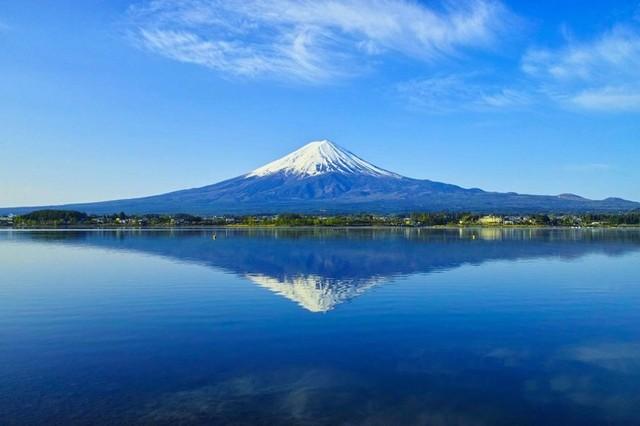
[(320, 157)]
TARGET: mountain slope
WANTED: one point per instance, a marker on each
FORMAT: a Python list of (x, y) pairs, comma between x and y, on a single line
[(322, 177)]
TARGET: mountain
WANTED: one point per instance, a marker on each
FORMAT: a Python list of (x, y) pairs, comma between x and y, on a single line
[(323, 177)]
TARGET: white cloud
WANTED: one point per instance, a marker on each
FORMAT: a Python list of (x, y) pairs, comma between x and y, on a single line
[(309, 39), (601, 74), (456, 92), (317, 41), (615, 52), (609, 98)]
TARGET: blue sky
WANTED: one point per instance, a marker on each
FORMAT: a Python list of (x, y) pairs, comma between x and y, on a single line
[(112, 99)]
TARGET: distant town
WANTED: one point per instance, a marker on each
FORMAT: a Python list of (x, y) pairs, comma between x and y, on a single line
[(71, 219)]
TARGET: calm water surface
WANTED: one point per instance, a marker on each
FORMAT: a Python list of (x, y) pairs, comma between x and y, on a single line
[(320, 327)]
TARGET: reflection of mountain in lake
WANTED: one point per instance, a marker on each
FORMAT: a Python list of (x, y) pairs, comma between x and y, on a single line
[(313, 292), (321, 268)]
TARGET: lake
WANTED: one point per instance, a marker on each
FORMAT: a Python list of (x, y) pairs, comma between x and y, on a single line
[(320, 327)]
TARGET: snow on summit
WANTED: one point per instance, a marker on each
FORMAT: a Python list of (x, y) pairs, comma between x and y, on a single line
[(320, 157)]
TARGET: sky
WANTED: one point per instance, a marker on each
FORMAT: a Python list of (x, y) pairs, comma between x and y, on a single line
[(114, 99)]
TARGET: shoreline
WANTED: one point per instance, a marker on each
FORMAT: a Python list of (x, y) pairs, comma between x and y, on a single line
[(302, 227)]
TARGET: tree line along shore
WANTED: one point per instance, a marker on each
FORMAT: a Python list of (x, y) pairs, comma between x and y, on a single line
[(70, 218)]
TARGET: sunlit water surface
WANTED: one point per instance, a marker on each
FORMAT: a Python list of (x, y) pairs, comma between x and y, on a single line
[(320, 327)]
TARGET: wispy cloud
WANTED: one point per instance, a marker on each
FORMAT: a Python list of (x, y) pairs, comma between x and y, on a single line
[(319, 41), (456, 92), (600, 74), (311, 40), (609, 98)]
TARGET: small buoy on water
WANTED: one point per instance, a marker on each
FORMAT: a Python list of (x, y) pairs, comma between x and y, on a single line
[(213, 236)]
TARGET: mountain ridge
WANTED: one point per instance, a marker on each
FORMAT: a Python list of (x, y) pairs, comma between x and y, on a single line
[(322, 177)]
